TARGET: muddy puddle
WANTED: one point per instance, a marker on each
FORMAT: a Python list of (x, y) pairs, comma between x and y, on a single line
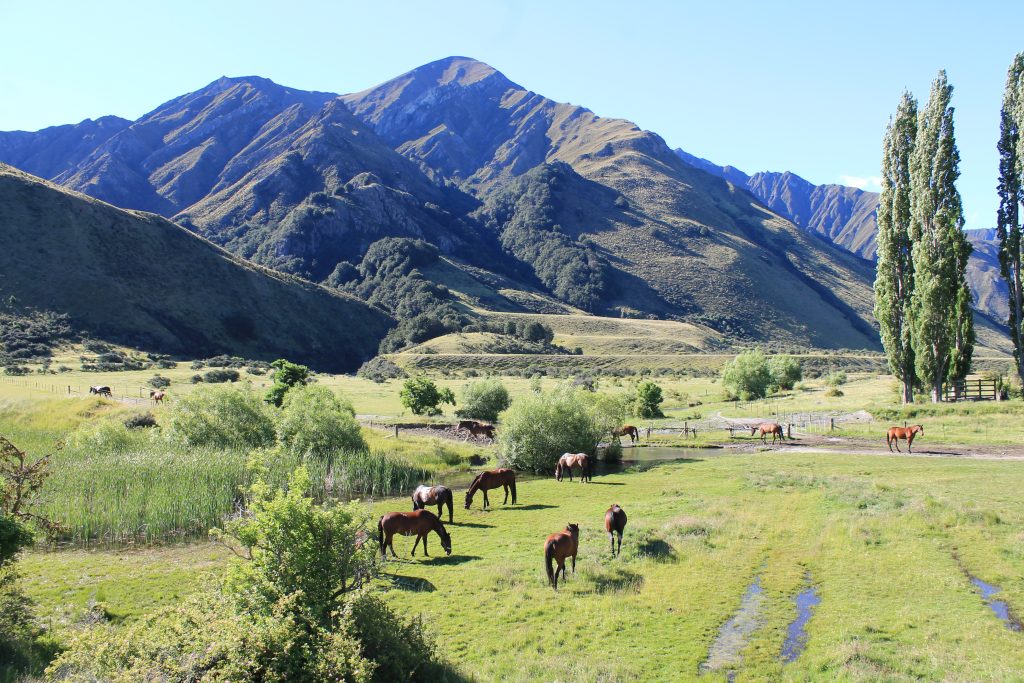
[(724, 653), (796, 633), (999, 607)]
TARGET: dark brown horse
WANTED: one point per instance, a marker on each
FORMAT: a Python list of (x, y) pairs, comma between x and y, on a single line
[(614, 523), (419, 523), (492, 479), (558, 547), (570, 460), (477, 428), (766, 428), (633, 432), (433, 495), (101, 390), (894, 435), (157, 395)]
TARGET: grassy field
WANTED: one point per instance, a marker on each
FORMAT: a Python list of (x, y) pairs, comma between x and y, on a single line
[(886, 541)]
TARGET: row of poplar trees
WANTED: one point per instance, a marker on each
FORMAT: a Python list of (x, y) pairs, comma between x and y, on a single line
[(1011, 199), (922, 301)]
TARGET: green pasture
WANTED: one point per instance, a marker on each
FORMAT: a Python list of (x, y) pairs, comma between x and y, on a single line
[(886, 541)]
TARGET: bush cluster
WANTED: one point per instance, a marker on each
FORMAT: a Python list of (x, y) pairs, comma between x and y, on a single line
[(380, 369), (484, 399)]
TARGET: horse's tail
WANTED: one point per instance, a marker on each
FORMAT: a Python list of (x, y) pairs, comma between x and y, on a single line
[(549, 554), (558, 470), (380, 532), (415, 505)]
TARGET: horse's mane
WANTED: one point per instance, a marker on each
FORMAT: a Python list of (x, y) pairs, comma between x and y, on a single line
[(476, 480)]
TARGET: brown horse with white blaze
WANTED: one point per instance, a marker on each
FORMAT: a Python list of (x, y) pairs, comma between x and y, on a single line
[(614, 524), (630, 430), (894, 435), (766, 428), (559, 546), (492, 479), (419, 523), (570, 460), (433, 495)]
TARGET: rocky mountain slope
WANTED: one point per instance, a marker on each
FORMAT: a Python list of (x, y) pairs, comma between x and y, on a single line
[(846, 217), (138, 279)]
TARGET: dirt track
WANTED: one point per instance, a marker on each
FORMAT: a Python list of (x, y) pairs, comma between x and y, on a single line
[(813, 443)]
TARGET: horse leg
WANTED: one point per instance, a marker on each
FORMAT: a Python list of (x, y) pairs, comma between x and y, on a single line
[(611, 538), (416, 544), (391, 544), (505, 486), (620, 541), (487, 502), (910, 444), (425, 537), (896, 442)]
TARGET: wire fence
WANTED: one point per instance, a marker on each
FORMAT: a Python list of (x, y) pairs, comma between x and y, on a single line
[(123, 393)]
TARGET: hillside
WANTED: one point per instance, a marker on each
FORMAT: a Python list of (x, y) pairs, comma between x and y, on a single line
[(683, 244), (846, 217), (139, 279)]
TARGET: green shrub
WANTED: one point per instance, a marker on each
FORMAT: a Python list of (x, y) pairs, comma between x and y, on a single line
[(140, 421), (538, 428), (836, 378), (380, 369), (286, 376), (422, 397), (220, 375), (648, 400), (747, 376), (222, 416), (786, 371), (314, 422), (484, 399), (158, 382)]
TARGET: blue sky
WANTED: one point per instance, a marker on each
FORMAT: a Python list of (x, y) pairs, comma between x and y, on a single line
[(801, 86)]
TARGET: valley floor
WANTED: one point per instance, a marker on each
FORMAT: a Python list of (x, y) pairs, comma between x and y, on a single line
[(890, 543)]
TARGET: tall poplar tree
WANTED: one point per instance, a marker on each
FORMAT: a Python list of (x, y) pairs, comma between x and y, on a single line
[(1011, 197), (894, 276), (942, 321)]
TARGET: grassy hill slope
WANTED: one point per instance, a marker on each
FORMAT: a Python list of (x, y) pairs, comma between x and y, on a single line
[(140, 279)]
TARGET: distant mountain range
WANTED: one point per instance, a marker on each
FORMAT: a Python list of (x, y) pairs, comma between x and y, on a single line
[(510, 187), (846, 216)]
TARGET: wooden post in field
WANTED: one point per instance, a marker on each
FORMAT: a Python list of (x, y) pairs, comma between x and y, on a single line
[(789, 430), (832, 424), (396, 431)]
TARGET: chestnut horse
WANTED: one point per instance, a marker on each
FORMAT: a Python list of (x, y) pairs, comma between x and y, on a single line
[(570, 460), (477, 428), (894, 435), (614, 523), (492, 479), (433, 495), (157, 395), (766, 428), (558, 547), (419, 522), (633, 432)]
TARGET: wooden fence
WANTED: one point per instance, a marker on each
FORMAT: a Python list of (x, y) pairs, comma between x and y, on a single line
[(972, 390)]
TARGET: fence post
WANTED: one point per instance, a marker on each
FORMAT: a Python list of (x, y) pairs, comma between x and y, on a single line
[(832, 424), (789, 430), (396, 431)]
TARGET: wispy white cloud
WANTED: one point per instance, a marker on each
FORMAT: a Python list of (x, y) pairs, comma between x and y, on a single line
[(871, 183)]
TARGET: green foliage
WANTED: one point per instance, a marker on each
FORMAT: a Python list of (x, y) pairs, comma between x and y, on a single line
[(27, 334), (286, 376), (538, 428), (289, 611), (422, 397), (316, 423), (942, 320), (158, 382), (648, 400), (221, 416), (526, 215), (220, 376), (748, 375), (1011, 201), (484, 399), (379, 369), (836, 378), (786, 371)]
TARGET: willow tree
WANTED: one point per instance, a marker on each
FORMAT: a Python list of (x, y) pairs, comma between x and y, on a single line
[(894, 275), (942, 321), (1011, 197)]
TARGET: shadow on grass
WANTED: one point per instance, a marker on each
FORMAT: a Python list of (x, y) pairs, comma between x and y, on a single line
[(608, 483), (533, 506), (657, 549), (450, 559), (443, 672), (411, 583), (614, 580), (473, 525)]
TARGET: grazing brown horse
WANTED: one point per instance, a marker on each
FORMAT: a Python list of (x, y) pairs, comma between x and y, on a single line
[(894, 435), (419, 522), (492, 479), (633, 432), (558, 547), (477, 428), (433, 495), (101, 390), (766, 428), (157, 395), (614, 523), (570, 460)]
